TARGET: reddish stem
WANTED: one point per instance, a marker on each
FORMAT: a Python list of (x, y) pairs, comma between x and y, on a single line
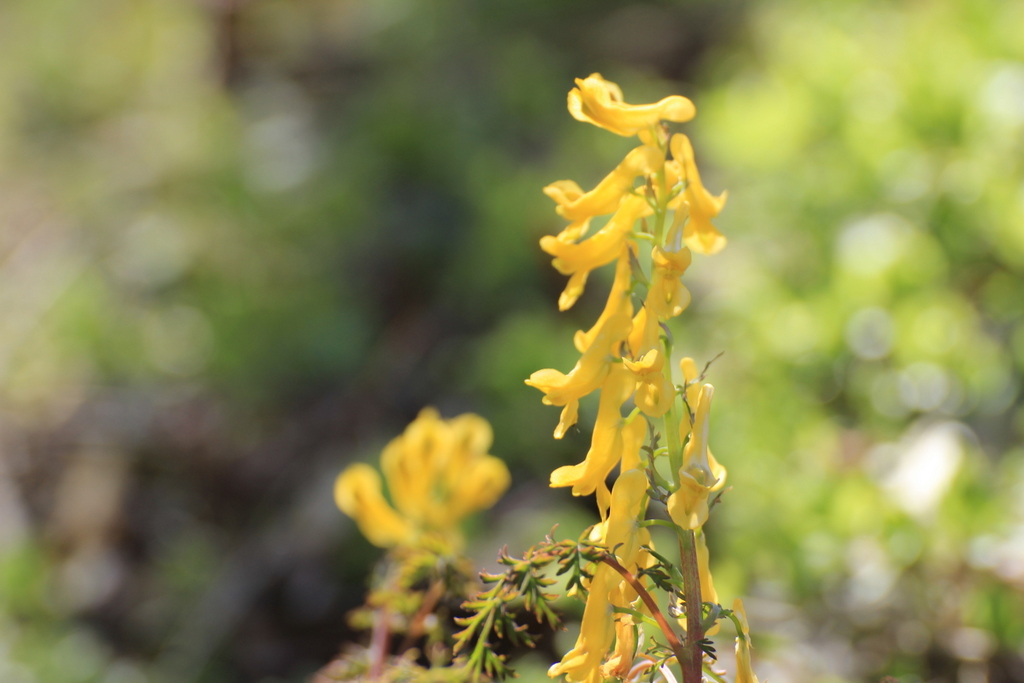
[(670, 635), (693, 663), (379, 642), (416, 628)]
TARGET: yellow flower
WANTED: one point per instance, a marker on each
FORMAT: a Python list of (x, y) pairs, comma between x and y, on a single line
[(700, 474), (668, 297), (621, 660), (621, 534), (613, 440), (744, 672), (646, 332), (654, 392), (437, 472), (577, 259), (575, 205), (620, 663), (587, 375), (699, 234), (619, 301), (597, 630), (600, 102)]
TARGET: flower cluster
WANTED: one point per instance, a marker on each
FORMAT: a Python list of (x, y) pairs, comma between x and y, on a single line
[(438, 472), (654, 198)]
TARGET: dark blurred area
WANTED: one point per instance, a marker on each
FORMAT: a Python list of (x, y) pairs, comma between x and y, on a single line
[(243, 243)]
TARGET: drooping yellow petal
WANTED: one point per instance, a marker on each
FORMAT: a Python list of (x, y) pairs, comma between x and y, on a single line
[(600, 102), (573, 289), (578, 259), (575, 205), (597, 630), (646, 332), (606, 444), (570, 415), (621, 660), (621, 534), (357, 492), (699, 234), (632, 441), (589, 372), (628, 495), (619, 664), (618, 303)]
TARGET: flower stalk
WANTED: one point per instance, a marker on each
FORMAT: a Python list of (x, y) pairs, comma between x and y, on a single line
[(627, 358), (656, 214)]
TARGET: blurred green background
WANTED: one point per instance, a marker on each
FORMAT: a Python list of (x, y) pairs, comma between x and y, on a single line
[(242, 243)]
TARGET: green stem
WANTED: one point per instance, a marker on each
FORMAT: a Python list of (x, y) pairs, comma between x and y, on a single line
[(483, 641), (714, 676), (636, 614), (659, 522), (671, 424)]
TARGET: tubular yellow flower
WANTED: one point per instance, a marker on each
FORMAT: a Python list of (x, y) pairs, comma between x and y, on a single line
[(621, 536), (575, 205), (613, 439), (654, 393), (668, 297), (620, 531), (699, 234), (621, 661), (587, 375), (619, 302), (646, 331), (597, 630), (700, 474), (744, 672), (437, 472), (600, 102), (578, 259)]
